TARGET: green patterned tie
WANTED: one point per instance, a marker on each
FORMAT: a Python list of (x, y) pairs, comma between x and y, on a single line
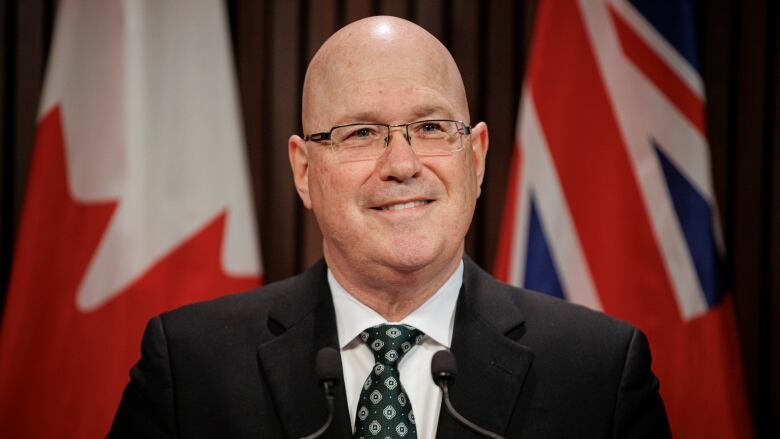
[(384, 410)]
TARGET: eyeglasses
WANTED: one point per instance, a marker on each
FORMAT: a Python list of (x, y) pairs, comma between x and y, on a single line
[(369, 140)]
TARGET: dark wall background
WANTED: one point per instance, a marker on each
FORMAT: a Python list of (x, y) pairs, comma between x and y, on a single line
[(274, 39)]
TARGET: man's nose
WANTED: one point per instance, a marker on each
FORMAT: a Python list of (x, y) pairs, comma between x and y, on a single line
[(399, 162)]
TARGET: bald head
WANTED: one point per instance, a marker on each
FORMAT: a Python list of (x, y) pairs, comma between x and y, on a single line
[(362, 71), (393, 225)]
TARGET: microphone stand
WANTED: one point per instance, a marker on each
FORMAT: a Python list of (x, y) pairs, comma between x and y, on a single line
[(329, 397), (327, 368), (461, 420), (443, 371)]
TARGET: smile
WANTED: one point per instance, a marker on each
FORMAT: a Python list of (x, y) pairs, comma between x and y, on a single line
[(406, 205)]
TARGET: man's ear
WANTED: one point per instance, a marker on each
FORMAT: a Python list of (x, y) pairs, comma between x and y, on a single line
[(299, 162), (479, 148)]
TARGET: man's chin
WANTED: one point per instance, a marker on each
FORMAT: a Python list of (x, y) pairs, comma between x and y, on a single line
[(409, 266), (415, 261)]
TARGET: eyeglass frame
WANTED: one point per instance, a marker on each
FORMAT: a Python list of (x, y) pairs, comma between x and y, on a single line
[(327, 135)]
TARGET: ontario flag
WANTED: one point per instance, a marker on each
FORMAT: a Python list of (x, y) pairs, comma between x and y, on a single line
[(610, 201), (137, 202)]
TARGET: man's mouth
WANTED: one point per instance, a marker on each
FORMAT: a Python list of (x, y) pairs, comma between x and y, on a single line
[(405, 205)]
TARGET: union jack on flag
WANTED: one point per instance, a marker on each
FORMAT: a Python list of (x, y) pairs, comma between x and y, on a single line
[(610, 201)]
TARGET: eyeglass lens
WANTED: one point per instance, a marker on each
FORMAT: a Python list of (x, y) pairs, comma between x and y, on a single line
[(431, 137)]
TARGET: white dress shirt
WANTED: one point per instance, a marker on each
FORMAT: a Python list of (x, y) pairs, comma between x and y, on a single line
[(435, 318)]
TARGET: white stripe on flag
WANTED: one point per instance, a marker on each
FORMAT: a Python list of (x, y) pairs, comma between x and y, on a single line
[(565, 248)]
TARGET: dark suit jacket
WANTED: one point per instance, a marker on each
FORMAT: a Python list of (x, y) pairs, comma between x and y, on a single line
[(529, 366)]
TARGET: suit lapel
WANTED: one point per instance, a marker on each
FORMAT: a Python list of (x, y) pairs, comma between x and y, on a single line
[(305, 322), (491, 366)]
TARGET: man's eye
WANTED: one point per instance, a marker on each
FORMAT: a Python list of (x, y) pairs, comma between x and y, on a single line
[(431, 128), (362, 133)]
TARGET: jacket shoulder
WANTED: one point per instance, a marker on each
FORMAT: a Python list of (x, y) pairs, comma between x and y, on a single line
[(545, 315), (553, 315), (231, 316)]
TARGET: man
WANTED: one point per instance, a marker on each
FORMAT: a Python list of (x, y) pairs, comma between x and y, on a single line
[(392, 170)]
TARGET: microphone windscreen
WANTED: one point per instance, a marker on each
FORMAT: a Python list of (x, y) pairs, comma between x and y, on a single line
[(327, 366), (443, 366)]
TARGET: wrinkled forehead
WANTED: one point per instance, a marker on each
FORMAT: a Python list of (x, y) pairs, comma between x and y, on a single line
[(389, 77)]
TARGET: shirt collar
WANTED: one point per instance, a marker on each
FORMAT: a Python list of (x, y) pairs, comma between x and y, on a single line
[(435, 318)]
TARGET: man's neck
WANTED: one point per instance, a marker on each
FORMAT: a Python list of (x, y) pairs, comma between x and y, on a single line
[(391, 293)]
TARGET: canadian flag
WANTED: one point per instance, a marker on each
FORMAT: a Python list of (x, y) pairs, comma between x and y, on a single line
[(137, 202)]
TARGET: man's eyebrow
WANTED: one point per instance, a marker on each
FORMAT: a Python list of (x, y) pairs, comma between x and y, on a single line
[(427, 110), (363, 116), (417, 113)]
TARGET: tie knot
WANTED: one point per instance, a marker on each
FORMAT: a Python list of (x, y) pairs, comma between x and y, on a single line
[(389, 343)]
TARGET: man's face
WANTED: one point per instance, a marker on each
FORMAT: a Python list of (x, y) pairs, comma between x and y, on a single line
[(400, 211)]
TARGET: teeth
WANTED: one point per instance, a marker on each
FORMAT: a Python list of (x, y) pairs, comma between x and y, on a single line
[(408, 205)]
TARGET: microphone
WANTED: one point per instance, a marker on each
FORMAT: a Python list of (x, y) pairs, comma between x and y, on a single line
[(327, 366), (443, 370)]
